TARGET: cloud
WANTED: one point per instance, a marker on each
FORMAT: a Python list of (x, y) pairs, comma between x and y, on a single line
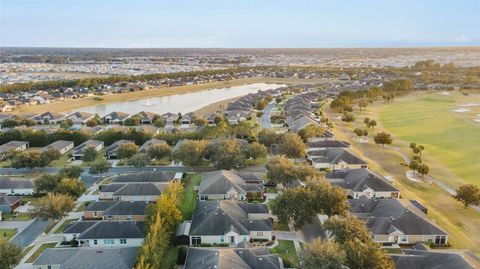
[(463, 39)]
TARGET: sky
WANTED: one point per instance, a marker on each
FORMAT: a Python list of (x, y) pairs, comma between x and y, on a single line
[(239, 23)]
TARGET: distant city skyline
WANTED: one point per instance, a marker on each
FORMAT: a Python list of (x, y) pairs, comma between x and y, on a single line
[(239, 24)]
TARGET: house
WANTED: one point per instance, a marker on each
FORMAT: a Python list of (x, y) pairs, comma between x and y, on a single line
[(80, 118), (61, 146), (224, 184), (16, 187), (115, 117), (49, 117), (170, 118), (335, 159), (146, 117), (9, 203), (229, 222), (12, 146), (362, 183), (236, 116), (146, 177), (397, 221), (425, 259), (324, 144), (148, 192), (150, 143), (105, 234), (79, 150), (86, 258), (226, 258), (111, 151), (187, 119), (116, 210)]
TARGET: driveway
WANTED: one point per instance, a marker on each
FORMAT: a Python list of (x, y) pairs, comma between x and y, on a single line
[(30, 233), (289, 236), (14, 224), (266, 113)]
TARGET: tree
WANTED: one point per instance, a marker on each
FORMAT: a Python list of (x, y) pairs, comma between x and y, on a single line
[(261, 104), (139, 160), (413, 165), (226, 154), (72, 171), (132, 121), (49, 155), (383, 138), (423, 169), (10, 254), (366, 121), (155, 244), (362, 103), (159, 151), (311, 131), (468, 194), (71, 186), (268, 138), (372, 124), (54, 206), (292, 145), (100, 168), (347, 228), (46, 183), (200, 121), (127, 150), (256, 150), (190, 152), (89, 155), (320, 254), (159, 121), (366, 255), (29, 159), (281, 170)]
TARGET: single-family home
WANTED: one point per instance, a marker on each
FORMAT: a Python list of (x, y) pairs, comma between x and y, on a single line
[(146, 117), (397, 221), (362, 183), (229, 222), (79, 150), (335, 159), (428, 259), (147, 192), (225, 184), (49, 117), (9, 203), (105, 234), (61, 146), (324, 144), (111, 151), (115, 117), (80, 118), (146, 177), (226, 258), (116, 210), (12, 146), (150, 143), (16, 186), (170, 118), (87, 258)]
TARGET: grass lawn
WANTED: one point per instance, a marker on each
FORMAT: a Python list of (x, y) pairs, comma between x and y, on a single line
[(7, 233), (189, 195), (279, 226), (32, 199), (271, 190), (26, 250), (170, 258), (39, 251), (461, 224), (50, 227), (20, 216), (62, 226), (286, 250), (62, 161), (393, 250), (81, 208), (451, 138)]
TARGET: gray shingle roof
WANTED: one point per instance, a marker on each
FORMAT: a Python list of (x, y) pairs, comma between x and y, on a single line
[(80, 149), (89, 258), (220, 217), (144, 177), (336, 155), (7, 183), (219, 182), (12, 145), (106, 229), (127, 208), (419, 259), (359, 180), (328, 144), (252, 258), (382, 216)]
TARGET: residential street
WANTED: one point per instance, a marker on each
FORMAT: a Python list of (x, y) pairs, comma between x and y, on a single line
[(26, 236), (265, 122)]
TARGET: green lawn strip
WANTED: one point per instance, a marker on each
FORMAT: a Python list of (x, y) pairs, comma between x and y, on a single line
[(50, 227), (189, 195), (7, 233), (62, 161), (286, 250), (393, 250), (39, 251), (20, 216), (170, 258), (271, 190), (26, 250), (34, 200), (279, 226), (62, 226)]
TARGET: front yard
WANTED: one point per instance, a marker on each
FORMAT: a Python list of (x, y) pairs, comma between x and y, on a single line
[(7, 233), (286, 250), (62, 226)]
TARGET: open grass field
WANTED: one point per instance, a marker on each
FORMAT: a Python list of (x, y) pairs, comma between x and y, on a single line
[(452, 138), (461, 224)]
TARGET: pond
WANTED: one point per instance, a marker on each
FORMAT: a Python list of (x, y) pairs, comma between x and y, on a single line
[(183, 103)]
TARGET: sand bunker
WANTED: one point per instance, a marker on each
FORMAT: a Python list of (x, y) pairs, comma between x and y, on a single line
[(470, 104), (445, 93), (476, 120), (461, 110)]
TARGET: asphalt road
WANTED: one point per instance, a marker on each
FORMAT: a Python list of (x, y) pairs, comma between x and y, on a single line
[(26, 236), (265, 119)]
